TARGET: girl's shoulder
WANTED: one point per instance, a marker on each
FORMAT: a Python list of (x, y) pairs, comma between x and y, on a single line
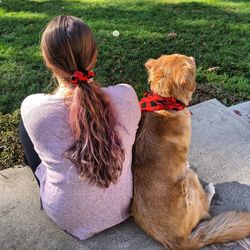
[(31, 102), (35, 98), (126, 86), (122, 91), (126, 102), (123, 86), (35, 102)]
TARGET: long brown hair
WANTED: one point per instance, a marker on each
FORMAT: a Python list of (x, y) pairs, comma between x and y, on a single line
[(68, 45)]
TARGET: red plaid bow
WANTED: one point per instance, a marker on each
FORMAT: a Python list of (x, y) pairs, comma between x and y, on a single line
[(81, 76), (153, 102)]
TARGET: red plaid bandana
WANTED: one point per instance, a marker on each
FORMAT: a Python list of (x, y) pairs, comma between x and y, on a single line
[(153, 102)]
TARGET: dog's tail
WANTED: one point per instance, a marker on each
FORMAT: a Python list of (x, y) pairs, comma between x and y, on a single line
[(222, 228)]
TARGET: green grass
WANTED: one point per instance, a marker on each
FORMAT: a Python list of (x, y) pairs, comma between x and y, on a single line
[(216, 33)]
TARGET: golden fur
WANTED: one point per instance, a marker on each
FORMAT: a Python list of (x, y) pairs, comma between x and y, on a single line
[(169, 200)]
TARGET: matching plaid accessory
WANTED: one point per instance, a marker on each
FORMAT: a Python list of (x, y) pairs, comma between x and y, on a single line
[(83, 76), (152, 102)]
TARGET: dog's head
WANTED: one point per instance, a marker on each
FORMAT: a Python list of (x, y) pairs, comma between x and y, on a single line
[(172, 76)]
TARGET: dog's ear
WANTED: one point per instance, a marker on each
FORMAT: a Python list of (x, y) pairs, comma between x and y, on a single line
[(149, 64), (186, 75), (192, 58)]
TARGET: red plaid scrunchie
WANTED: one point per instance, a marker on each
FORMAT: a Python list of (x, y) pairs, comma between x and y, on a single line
[(84, 76)]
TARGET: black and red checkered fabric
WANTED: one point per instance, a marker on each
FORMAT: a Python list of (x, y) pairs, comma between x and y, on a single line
[(84, 76), (152, 102)]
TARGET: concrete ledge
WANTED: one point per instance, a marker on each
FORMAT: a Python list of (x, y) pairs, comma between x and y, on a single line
[(24, 226), (220, 145), (220, 152), (242, 109)]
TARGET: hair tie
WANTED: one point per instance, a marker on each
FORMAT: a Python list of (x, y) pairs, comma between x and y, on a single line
[(83, 76)]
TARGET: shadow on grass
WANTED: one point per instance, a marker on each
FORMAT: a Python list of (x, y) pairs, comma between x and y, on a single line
[(236, 1), (214, 36)]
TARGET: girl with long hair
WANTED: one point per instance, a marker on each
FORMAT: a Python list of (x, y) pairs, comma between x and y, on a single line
[(82, 135)]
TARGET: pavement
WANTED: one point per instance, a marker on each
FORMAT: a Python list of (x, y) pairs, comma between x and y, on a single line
[(242, 109), (220, 145), (219, 153)]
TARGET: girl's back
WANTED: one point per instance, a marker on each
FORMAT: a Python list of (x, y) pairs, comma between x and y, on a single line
[(75, 205)]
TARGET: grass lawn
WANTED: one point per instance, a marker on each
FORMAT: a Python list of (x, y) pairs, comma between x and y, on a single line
[(216, 33)]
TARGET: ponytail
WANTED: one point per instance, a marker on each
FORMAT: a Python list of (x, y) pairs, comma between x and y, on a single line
[(97, 152)]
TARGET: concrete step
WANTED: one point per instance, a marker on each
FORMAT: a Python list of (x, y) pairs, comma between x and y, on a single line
[(242, 109), (219, 151), (220, 147), (24, 226)]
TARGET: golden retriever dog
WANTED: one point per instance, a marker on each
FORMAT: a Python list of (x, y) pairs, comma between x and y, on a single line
[(169, 201)]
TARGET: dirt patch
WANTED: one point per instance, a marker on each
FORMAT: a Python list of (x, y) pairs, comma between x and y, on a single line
[(206, 92)]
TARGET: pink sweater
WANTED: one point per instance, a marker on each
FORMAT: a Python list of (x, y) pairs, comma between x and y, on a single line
[(74, 205)]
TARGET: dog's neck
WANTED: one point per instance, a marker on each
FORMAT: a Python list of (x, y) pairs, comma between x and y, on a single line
[(152, 102), (182, 96)]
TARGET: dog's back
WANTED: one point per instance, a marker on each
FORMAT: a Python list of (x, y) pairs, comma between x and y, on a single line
[(161, 179)]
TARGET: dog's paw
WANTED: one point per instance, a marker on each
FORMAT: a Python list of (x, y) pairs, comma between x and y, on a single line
[(210, 189)]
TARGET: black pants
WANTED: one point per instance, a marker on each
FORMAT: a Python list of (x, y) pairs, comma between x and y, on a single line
[(31, 157)]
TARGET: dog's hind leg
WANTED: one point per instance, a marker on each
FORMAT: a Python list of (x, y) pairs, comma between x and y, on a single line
[(210, 191)]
